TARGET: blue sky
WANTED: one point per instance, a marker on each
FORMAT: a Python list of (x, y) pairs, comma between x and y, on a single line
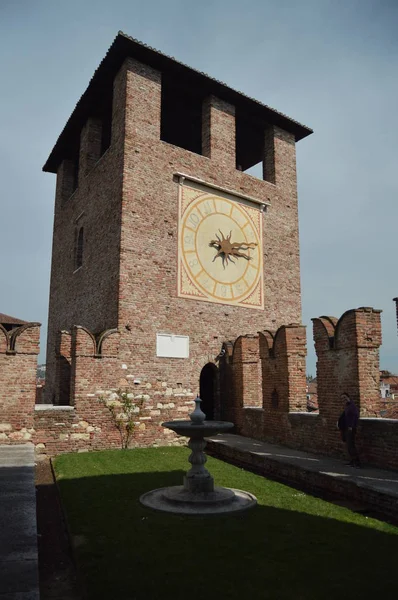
[(330, 64)]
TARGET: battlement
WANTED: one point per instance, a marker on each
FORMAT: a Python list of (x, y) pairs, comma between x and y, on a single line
[(258, 382), (271, 366), (348, 358), (19, 347), (20, 340)]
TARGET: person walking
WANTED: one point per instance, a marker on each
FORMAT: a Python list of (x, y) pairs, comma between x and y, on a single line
[(350, 420)]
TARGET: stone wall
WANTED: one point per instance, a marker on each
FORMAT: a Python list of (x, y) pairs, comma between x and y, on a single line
[(98, 368), (261, 388), (18, 363), (306, 478)]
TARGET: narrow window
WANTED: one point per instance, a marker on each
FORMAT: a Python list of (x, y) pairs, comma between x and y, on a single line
[(250, 145), (181, 115), (69, 176), (79, 248), (75, 174), (106, 132)]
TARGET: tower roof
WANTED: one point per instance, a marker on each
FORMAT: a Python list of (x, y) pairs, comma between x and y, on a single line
[(99, 91)]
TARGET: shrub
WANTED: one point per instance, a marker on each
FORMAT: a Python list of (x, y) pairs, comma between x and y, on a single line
[(124, 410)]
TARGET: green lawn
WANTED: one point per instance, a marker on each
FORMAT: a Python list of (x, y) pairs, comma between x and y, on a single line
[(291, 546)]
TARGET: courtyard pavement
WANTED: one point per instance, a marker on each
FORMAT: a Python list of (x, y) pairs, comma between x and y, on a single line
[(19, 578)]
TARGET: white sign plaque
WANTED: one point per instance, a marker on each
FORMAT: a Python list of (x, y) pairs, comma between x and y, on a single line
[(172, 346)]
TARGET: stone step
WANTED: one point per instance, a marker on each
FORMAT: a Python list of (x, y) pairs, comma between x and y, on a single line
[(18, 456)]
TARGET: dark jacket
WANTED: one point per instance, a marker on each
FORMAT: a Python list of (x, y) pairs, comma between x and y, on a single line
[(351, 415), (341, 422)]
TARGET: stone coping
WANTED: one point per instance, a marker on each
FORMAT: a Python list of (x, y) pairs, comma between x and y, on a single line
[(297, 413), (377, 420), (301, 413), (53, 407)]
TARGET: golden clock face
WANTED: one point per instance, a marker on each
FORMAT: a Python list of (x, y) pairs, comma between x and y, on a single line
[(220, 249)]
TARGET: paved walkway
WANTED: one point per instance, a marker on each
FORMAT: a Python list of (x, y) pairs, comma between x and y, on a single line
[(18, 533), (376, 488)]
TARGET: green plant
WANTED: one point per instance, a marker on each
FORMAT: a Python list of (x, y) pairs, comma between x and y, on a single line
[(292, 546), (124, 410)]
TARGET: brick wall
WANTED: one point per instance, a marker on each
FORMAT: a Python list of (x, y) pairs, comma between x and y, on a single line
[(87, 295), (282, 358), (246, 388), (347, 361), (127, 203), (150, 235), (96, 368), (18, 363)]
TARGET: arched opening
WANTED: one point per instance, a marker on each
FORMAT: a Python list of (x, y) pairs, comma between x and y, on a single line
[(208, 390)]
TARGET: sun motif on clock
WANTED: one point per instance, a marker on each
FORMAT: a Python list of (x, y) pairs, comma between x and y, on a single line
[(219, 249)]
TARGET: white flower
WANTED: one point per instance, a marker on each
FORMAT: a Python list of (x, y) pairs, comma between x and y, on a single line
[(113, 403)]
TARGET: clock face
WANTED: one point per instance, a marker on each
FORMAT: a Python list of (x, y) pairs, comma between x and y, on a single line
[(220, 249)]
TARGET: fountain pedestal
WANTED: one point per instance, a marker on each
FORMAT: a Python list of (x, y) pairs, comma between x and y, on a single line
[(198, 495)]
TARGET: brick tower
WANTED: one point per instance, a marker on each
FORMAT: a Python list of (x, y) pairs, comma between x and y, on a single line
[(159, 233)]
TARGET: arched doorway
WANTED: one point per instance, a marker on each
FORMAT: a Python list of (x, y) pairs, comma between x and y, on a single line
[(208, 390)]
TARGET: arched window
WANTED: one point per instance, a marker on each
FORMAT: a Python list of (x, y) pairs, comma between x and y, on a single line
[(79, 248)]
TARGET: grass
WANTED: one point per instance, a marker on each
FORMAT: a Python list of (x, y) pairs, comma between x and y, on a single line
[(291, 546)]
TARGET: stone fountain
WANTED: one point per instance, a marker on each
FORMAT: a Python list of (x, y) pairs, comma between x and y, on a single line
[(198, 495)]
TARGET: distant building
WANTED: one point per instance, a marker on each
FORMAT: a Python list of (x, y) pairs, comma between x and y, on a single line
[(388, 385), (40, 383), (389, 395), (312, 396)]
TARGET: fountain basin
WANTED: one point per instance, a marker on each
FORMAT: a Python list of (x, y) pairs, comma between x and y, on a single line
[(198, 430), (177, 500)]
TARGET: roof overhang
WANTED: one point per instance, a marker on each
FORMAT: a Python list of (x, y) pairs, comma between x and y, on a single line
[(99, 90)]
